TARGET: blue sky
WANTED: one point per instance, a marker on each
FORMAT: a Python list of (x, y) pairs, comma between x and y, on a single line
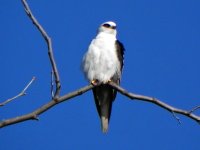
[(161, 60)]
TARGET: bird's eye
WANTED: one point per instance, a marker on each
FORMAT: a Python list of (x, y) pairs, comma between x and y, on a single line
[(113, 27), (106, 25)]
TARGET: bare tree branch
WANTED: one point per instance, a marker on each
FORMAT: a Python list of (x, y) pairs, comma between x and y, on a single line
[(49, 44), (22, 93), (34, 115), (157, 102)]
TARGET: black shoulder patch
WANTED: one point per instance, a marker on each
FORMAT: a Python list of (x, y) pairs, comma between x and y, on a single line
[(120, 52)]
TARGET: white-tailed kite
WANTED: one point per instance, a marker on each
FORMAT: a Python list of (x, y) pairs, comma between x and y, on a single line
[(103, 62)]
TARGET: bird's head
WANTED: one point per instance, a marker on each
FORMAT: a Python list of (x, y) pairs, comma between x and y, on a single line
[(108, 27)]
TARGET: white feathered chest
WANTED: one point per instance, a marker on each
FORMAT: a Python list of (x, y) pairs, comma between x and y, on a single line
[(101, 61)]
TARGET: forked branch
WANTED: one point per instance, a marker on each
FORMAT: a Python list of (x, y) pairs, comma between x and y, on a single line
[(34, 115), (22, 93), (52, 103)]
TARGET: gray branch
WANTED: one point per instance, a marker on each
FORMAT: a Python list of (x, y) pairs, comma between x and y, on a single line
[(34, 115), (155, 101), (22, 93), (49, 45)]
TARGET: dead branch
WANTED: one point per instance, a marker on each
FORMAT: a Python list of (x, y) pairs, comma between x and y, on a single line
[(34, 115), (49, 45), (155, 101), (22, 93)]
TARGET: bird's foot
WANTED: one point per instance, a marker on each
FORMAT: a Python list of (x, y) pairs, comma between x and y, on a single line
[(94, 82), (109, 81)]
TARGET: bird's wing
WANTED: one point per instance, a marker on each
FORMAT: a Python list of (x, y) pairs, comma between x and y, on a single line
[(120, 53)]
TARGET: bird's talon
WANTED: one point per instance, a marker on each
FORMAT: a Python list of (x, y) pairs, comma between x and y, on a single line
[(109, 81), (94, 82)]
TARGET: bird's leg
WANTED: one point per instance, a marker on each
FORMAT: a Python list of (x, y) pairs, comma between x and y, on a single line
[(94, 82)]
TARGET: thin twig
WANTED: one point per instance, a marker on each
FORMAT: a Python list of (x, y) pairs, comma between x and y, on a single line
[(155, 101), (49, 44), (194, 109), (176, 117), (52, 85), (22, 93)]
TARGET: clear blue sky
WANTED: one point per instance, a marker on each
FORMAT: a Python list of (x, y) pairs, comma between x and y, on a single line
[(161, 60)]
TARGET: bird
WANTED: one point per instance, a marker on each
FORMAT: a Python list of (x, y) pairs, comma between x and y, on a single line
[(103, 63)]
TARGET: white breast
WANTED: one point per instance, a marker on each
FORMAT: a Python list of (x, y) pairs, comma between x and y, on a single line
[(101, 62)]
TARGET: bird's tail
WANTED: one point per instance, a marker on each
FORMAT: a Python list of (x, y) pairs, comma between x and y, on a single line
[(104, 97), (105, 110), (104, 124)]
